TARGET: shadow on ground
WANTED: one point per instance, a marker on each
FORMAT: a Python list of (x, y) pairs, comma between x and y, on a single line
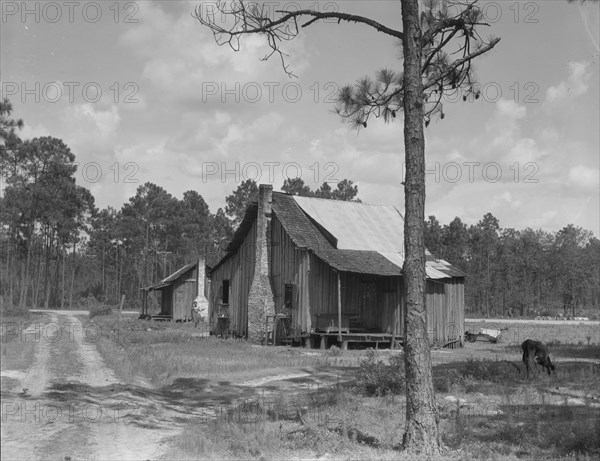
[(186, 398)]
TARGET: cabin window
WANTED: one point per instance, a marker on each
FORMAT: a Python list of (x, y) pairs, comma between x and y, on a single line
[(225, 298), (288, 298)]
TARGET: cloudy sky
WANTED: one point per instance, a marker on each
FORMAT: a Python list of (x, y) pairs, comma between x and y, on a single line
[(140, 92)]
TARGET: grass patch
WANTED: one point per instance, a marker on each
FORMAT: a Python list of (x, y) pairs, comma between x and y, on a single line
[(340, 425), (531, 432), (497, 376), (512, 417), (163, 352), (557, 333), (474, 374), (100, 309), (17, 348), (578, 351), (10, 313), (378, 378)]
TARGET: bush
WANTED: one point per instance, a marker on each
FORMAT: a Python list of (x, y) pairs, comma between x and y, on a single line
[(100, 309), (7, 309), (444, 379), (89, 302), (377, 378)]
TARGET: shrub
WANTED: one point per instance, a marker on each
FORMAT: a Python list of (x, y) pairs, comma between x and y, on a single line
[(444, 379), (334, 351), (7, 309), (89, 302), (377, 378), (100, 309)]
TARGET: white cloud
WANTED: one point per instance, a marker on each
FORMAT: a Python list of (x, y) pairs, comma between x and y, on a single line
[(184, 64), (525, 150), (585, 178), (90, 131), (36, 131), (504, 125), (576, 84)]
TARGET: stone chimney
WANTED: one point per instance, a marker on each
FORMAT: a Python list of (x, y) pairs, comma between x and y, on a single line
[(201, 300), (260, 298)]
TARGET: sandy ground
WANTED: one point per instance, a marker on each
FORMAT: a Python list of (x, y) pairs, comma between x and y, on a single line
[(62, 405), (69, 405)]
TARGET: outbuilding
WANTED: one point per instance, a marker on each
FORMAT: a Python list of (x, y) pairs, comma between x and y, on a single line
[(178, 292)]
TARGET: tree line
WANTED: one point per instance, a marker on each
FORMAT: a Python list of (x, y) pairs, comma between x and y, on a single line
[(57, 247), (527, 272)]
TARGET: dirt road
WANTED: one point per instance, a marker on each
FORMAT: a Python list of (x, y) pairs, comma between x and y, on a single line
[(68, 404)]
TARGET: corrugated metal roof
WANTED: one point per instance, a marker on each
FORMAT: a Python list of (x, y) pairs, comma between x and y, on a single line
[(158, 286), (357, 226), (361, 262), (171, 278), (376, 228), (440, 268), (435, 269), (349, 236), (307, 233), (175, 275)]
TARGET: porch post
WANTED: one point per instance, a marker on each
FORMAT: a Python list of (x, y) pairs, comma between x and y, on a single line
[(339, 280)]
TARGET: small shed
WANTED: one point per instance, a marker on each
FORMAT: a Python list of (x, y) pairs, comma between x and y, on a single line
[(178, 292)]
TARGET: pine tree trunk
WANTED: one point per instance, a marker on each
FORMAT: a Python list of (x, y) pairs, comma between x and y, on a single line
[(37, 277), (55, 279), (10, 274), (47, 274), (72, 277), (23, 297), (62, 292), (104, 286), (422, 420)]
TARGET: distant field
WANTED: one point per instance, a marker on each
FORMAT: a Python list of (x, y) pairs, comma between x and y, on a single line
[(548, 331)]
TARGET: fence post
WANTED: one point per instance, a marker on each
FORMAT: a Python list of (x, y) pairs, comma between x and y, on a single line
[(121, 309)]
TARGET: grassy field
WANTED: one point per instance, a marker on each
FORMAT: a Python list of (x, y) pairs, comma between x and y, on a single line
[(487, 412), (488, 408), (162, 352), (554, 333), (16, 349)]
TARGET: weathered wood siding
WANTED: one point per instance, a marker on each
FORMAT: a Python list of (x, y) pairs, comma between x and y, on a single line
[(176, 299), (290, 266), (375, 301), (322, 289), (185, 290), (391, 292), (445, 309), (239, 270), (378, 303)]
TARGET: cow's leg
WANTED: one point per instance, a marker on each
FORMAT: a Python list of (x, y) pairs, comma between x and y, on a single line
[(526, 362)]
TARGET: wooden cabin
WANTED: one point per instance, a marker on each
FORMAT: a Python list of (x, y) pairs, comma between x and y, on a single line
[(323, 270), (177, 292)]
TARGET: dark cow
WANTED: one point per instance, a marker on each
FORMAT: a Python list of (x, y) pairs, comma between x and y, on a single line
[(536, 349)]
